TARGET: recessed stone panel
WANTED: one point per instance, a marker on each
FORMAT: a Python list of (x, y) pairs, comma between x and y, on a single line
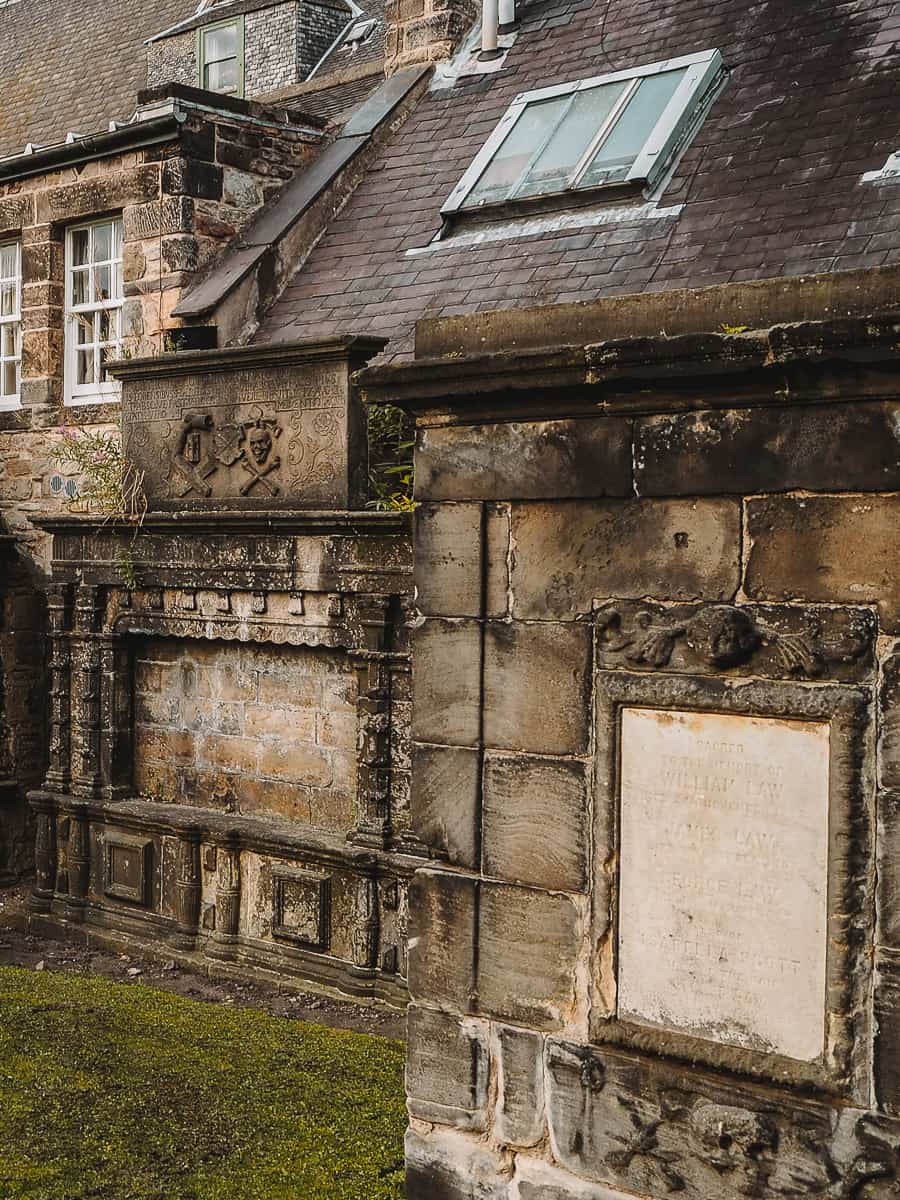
[(723, 884)]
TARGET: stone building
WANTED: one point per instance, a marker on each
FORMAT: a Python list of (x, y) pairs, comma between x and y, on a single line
[(635, 273)]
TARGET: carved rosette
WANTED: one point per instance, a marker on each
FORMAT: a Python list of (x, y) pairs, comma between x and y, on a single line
[(223, 943)]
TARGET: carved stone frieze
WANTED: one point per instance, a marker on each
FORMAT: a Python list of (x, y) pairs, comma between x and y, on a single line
[(757, 640)]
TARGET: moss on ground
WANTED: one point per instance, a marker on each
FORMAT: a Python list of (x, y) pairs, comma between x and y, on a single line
[(116, 1092)]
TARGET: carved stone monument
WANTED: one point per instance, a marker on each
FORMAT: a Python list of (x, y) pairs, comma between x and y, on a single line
[(270, 426)]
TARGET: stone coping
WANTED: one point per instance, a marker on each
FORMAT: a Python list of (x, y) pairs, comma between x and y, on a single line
[(271, 354)]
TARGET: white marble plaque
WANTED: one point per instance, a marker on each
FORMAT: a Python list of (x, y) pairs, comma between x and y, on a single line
[(723, 878)]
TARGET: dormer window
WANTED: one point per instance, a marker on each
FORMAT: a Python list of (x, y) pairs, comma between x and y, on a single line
[(618, 130), (220, 53)]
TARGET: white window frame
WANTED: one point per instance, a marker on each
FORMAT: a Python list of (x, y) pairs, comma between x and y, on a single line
[(101, 392), (13, 401), (203, 61), (676, 119)]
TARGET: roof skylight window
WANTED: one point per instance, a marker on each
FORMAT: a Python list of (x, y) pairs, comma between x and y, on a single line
[(613, 130)]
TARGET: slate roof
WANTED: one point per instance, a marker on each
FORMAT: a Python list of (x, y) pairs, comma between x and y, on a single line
[(74, 64), (770, 186)]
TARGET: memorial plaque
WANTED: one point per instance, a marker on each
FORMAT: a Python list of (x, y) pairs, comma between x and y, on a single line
[(724, 878)]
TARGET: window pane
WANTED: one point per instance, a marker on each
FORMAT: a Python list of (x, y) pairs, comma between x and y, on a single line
[(571, 138), (8, 339), (102, 283), (84, 329), (629, 135), (8, 262), (219, 44), (109, 325), (9, 383), (84, 366), (103, 243), (222, 76), (80, 293), (7, 299), (81, 240), (530, 131)]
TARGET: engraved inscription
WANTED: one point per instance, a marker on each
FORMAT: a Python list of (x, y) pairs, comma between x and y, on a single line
[(723, 881)]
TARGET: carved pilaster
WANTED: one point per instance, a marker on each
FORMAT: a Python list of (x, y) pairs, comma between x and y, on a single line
[(86, 692), (365, 933), (115, 722), (373, 795), (187, 889), (44, 855), (79, 857), (59, 616), (223, 943)]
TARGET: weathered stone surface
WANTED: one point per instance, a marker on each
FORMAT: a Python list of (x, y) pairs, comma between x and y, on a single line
[(538, 1180), (889, 733), (531, 460), (448, 559), (442, 939), (444, 800), (445, 1165), (535, 821), (567, 555), (640, 1125), (446, 684), (447, 1068), (519, 1119), (537, 687), (887, 1031), (528, 943), (832, 448), (498, 553), (832, 549), (888, 868), (723, 878)]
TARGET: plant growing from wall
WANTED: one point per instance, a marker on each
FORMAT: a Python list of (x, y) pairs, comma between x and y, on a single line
[(110, 485), (391, 444)]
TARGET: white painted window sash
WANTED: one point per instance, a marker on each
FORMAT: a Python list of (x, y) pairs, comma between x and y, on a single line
[(701, 72), (13, 320), (99, 391)]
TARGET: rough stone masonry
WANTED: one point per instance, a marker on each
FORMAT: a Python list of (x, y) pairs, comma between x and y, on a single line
[(655, 762)]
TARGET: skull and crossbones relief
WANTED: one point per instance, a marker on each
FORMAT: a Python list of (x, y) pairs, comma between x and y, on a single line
[(258, 440)]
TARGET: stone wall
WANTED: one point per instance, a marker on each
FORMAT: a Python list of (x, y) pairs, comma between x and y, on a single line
[(425, 30), (247, 730), (634, 627)]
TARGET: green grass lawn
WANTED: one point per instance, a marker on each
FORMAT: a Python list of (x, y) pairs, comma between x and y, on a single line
[(117, 1092)]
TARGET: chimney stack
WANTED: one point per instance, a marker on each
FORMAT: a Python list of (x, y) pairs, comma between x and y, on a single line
[(425, 30)]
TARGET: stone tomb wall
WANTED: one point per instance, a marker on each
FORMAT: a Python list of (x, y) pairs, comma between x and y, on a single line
[(247, 729), (655, 747)]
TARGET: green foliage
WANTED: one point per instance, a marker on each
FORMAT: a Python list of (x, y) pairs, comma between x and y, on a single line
[(733, 328), (110, 483), (116, 1092), (391, 444)]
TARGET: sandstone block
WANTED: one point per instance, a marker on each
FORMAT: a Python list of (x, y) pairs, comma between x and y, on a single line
[(447, 1068), (834, 549), (116, 190), (519, 1118), (888, 868), (889, 739), (296, 763), (444, 801), (446, 1165), (887, 1035), (831, 448), (184, 177), (448, 559), (538, 1180), (528, 942), (442, 939), (525, 460), (536, 687), (567, 555), (228, 753), (535, 821), (280, 724), (446, 696)]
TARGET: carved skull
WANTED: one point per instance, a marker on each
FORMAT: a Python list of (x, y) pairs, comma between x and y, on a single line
[(260, 441)]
